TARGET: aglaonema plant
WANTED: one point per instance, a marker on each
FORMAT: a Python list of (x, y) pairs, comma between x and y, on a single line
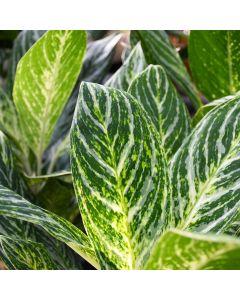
[(147, 188)]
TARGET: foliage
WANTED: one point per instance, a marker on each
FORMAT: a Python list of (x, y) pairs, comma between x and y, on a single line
[(110, 170)]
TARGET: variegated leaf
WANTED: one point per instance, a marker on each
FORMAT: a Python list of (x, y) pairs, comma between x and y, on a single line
[(159, 51), (44, 80), (234, 228), (119, 174), (163, 105), (25, 255), (14, 206), (98, 59), (202, 111), (9, 124), (179, 250), (134, 64), (14, 228), (22, 44), (214, 57), (205, 172), (96, 65)]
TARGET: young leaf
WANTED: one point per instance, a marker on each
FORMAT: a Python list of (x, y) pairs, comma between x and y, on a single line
[(179, 250), (25, 255), (214, 60), (159, 51), (205, 172), (134, 64), (165, 108), (14, 206), (44, 80), (119, 174)]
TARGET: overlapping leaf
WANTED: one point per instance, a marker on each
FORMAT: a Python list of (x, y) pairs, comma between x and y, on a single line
[(134, 64), (14, 206), (163, 105), (159, 51), (9, 124), (120, 176), (179, 250), (205, 172), (25, 255), (45, 78), (202, 111), (13, 227), (214, 57), (95, 67)]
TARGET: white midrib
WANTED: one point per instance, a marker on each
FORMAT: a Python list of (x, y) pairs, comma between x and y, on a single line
[(205, 188), (131, 260), (50, 92)]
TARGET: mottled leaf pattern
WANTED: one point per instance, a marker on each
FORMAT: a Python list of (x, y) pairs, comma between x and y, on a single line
[(178, 250), (134, 64), (9, 124), (22, 44), (119, 174), (45, 78), (159, 51), (214, 57), (205, 172), (14, 206), (163, 105), (25, 255), (96, 65)]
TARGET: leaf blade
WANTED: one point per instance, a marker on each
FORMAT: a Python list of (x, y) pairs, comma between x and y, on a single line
[(214, 59), (179, 250), (103, 156), (51, 66), (14, 206), (25, 255), (134, 64), (159, 51), (165, 108), (205, 170)]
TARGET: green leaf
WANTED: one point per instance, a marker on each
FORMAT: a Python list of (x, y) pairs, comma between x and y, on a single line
[(119, 174), (63, 256), (163, 105), (205, 172), (9, 124), (202, 111), (214, 60), (14, 206), (14, 228), (22, 44), (179, 250), (25, 255), (59, 198), (45, 78), (96, 65), (159, 51), (134, 64)]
